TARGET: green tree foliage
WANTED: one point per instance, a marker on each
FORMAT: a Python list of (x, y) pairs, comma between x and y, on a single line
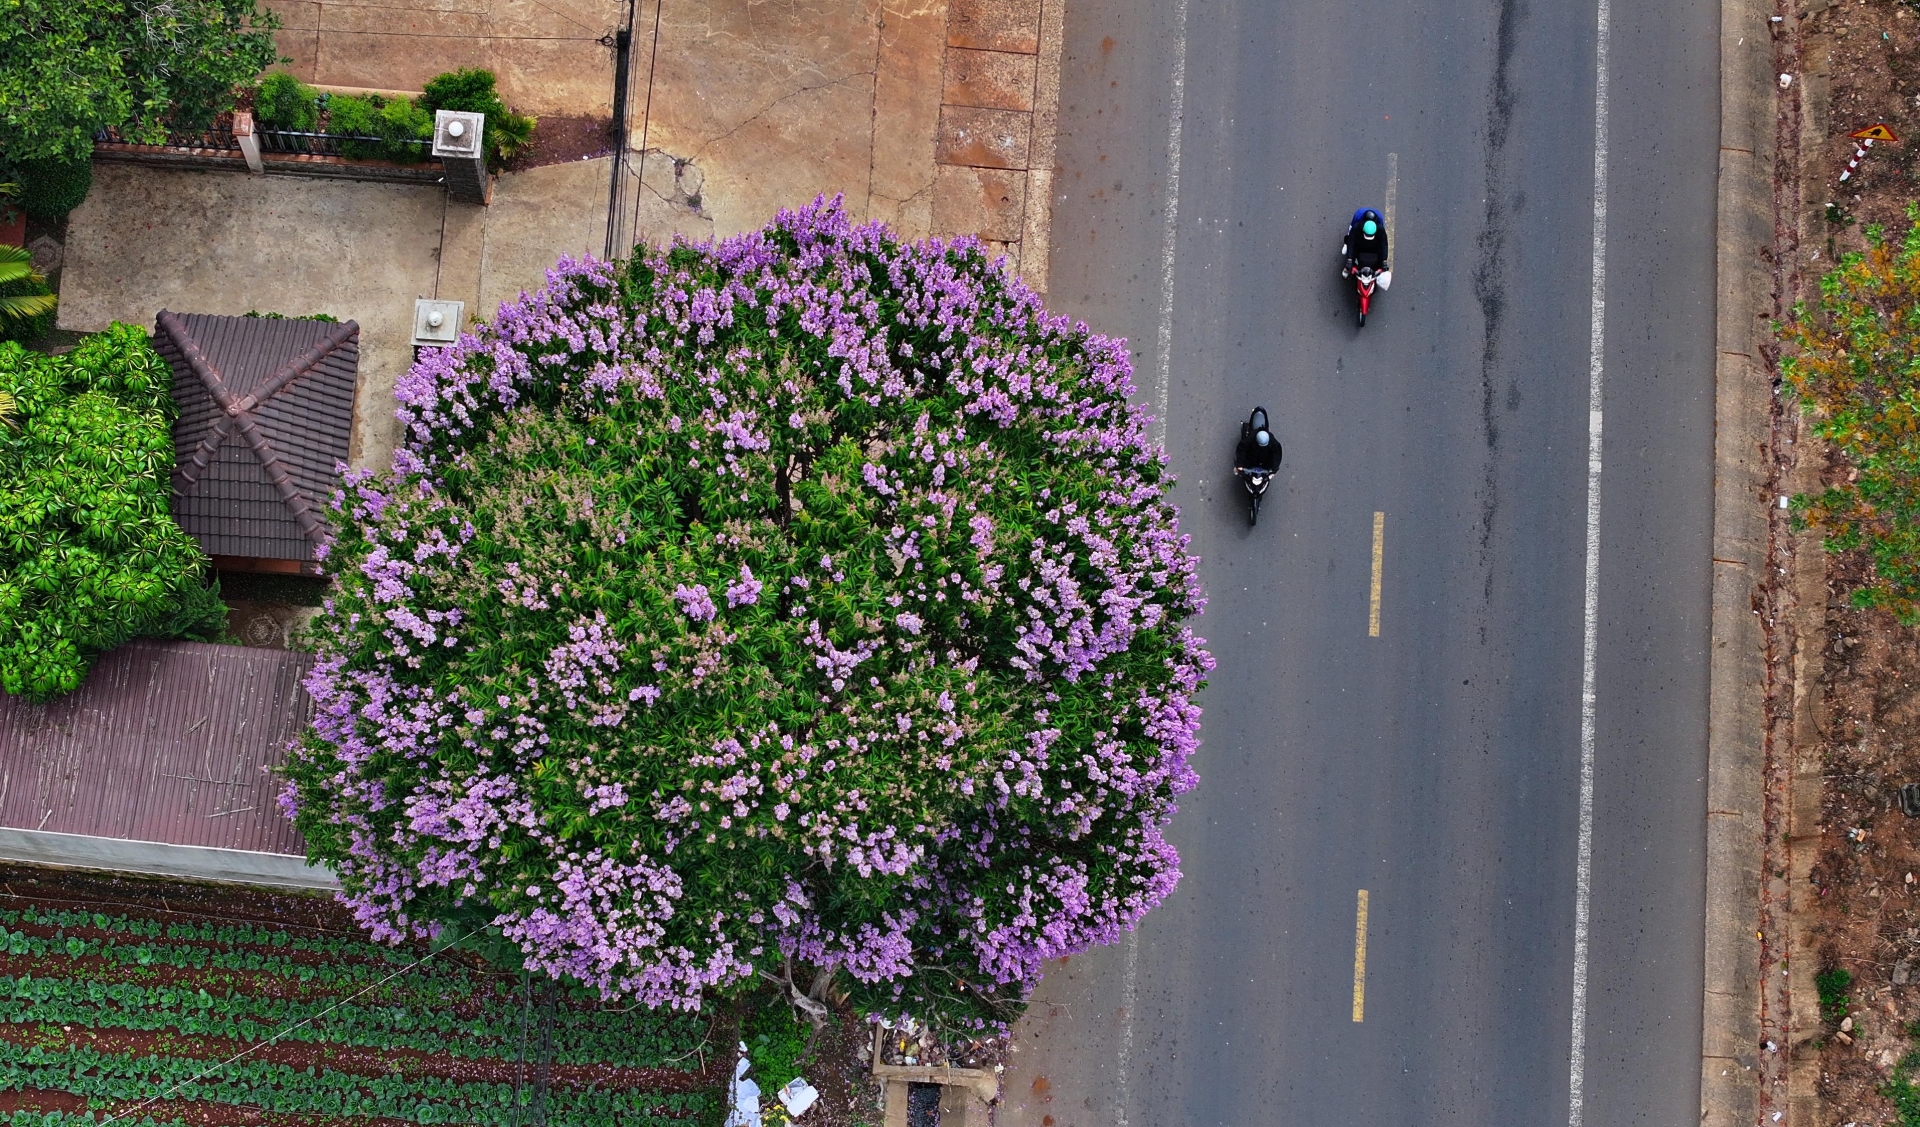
[(89, 555), (803, 600), (1854, 364), (69, 68), (471, 90)]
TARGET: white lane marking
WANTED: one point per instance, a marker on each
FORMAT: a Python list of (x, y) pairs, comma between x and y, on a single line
[(1129, 992), (1170, 231), (1393, 195), (1590, 642), (1169, 236)]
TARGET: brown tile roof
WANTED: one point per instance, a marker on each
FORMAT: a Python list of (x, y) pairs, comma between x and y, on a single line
[(266, 410), (165, 741)]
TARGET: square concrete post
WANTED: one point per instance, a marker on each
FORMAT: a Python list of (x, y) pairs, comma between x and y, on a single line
[(456, 141), (249, 144)]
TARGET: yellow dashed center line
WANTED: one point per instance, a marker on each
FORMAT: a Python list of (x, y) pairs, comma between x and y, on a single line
[(1360, 959), (1373, 598)]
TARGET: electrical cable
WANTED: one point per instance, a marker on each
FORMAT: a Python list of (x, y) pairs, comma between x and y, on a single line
[(437, 35), (646, 113)]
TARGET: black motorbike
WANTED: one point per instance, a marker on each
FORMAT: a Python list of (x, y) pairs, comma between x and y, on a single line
[(1254, 464)]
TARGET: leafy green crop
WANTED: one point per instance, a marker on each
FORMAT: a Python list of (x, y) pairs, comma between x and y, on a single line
[(417, 1010), (68, 1119), (317, 1091), (75, 973)]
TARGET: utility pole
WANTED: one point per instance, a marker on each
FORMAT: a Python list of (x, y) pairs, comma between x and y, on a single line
[(622, 44)]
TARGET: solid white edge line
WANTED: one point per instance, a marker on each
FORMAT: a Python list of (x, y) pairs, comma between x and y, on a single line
[(1169, 236), (1129, 993), (1170, 230), (1596, 358)]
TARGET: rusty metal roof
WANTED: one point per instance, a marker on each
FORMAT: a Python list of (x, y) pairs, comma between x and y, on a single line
[(266, 411), (165, 741)]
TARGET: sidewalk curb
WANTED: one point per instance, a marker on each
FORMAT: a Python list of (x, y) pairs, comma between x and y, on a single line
[(1801, 462), (1737, 672), (1036, 238)]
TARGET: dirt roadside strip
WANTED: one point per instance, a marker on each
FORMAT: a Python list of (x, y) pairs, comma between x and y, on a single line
[(1730, 1043)]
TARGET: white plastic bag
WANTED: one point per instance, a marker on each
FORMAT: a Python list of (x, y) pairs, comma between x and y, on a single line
[(1384, 279), (798, 1096), (743, 1097)]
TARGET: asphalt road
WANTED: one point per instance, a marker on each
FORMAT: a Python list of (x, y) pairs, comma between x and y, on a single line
[(1437, 765)]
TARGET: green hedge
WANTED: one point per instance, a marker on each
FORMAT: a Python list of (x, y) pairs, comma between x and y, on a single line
[(49, 189), (394, 121), (285, 102)]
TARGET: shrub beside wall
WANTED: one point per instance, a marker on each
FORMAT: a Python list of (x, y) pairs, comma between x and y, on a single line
[(386, 126)]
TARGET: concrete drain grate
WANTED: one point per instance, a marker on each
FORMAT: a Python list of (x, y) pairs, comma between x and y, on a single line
[(923, 1105)]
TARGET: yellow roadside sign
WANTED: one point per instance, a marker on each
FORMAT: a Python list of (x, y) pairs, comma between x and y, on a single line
[(1875, 133)]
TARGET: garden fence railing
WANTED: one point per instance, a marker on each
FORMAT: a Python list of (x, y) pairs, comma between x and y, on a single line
[(283, 141), (219, 136), (329, 144)]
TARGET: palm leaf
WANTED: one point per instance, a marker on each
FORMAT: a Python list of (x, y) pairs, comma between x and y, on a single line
[(16, 263), (8, 405), (26, 306)]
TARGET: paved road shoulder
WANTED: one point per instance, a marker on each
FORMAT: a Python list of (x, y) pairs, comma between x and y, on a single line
[(1730, 1006)]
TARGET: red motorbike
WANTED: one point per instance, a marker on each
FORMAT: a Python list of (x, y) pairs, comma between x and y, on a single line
[(1365, 280)]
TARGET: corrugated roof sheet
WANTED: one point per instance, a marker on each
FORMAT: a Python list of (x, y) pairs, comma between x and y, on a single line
[(166, 741), (266, 412)]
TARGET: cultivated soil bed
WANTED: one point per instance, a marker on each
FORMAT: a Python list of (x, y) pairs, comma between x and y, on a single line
[(1867, 901), (559, 138), (131, 956)]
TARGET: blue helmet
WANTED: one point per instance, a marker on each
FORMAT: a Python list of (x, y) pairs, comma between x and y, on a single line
[(1261, 438)]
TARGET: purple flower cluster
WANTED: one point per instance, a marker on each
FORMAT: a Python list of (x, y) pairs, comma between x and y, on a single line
[(804, 595)]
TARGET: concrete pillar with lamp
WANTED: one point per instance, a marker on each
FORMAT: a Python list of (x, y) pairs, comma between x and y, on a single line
[(456, 142), (436, 322)]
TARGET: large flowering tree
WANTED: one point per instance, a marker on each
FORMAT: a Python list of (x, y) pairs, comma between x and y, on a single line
[(809, 599)]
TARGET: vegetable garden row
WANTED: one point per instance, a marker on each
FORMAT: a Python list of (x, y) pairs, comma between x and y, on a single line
[(143, 1014)]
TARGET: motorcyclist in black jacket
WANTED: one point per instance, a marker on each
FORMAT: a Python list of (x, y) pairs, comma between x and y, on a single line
[(1258, 448), (1365, 244)]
